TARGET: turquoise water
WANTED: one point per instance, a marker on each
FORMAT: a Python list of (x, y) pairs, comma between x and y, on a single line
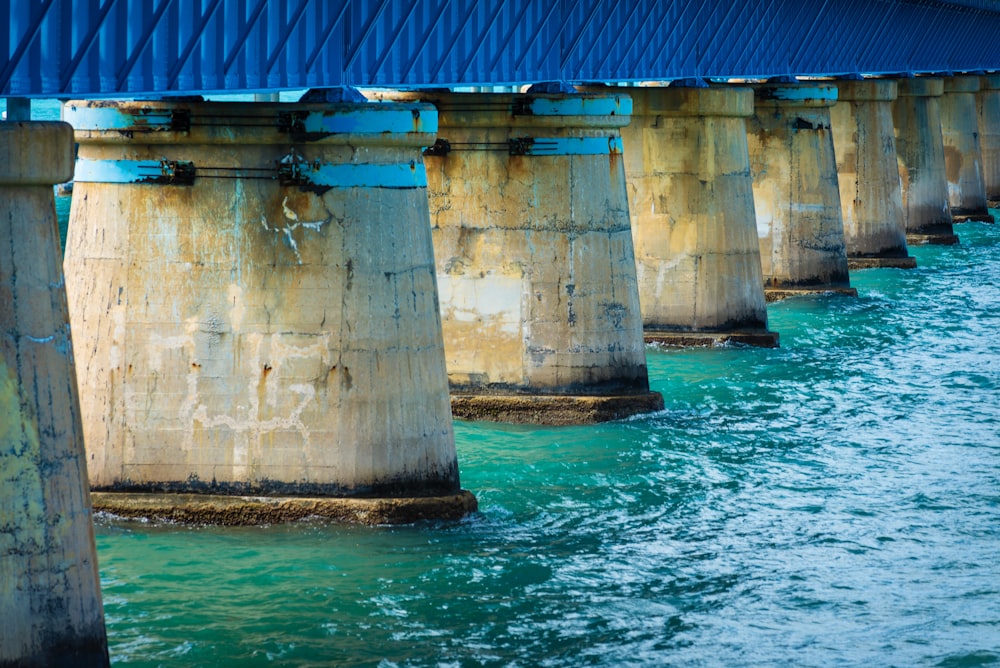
[(832, 502)]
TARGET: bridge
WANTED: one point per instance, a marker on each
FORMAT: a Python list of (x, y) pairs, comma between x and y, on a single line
[(480, 208), (100, 48)]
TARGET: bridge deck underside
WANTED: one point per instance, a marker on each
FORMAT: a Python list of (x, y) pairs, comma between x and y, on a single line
[(93, 48)]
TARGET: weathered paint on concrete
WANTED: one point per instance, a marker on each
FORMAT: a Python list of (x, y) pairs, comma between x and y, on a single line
[(796, 190), (962, 151), (693, 223), (870, 197), (988, 109), (264, 330), (916, 116), (50, 599), (534, 256)]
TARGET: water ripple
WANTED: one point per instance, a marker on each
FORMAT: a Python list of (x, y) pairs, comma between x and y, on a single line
[(835, 501)]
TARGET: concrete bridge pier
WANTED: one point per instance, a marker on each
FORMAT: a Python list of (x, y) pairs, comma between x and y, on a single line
[(253, 297), (867, 169), (50, 598), (916, 115), (962, 151), (988, 111), (693, 220), (796, 190), (535, 262)]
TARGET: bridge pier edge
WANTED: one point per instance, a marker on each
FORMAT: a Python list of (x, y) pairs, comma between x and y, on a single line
[(257, 313), (920, 152), (988, 113), (535, 262), (796, 191), (693, 222), (868, 174), (50, 597), (962, 150)]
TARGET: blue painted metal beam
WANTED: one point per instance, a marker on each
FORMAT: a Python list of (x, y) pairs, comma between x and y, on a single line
[(115, 48)]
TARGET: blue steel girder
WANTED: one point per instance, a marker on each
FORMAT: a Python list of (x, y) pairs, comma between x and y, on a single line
[(94, 48)]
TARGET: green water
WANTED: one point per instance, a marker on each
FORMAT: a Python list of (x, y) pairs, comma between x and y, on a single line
[(832, 502)]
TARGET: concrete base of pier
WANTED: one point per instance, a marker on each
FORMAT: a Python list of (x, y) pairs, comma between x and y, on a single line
[(250, 510), (777, 294), (693, 219), (270, 326), (920, 153), (944, 239), (557, 410), (881, 263), (959, 217), (762, 339), (800, 226), (867, 167), (963, 159)]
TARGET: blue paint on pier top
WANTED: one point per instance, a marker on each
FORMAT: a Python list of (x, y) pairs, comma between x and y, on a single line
[(116, 48)]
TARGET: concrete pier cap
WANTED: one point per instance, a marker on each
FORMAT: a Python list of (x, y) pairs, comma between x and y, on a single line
[(796, 190), (962, 150), (916, 114), (988, 110), (867, 169), (51, 612), (693, 221), (252, 291), (535, 262)]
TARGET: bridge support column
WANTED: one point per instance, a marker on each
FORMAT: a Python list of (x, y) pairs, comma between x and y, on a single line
[(50, 598), (988, 110), (867, 169), (252, 289), (796, 191), (916, 117), (693, 221), (535, 261), (962, 151)]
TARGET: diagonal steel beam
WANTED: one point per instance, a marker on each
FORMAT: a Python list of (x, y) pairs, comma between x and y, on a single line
[(661, 20), (373, 72), (479, 42), (510, 34), (23, 44), (447, 54), (425, 38), (365, 34), (243, 36), (286, 31), (141, 45), (531, 42), (88, 41), (625, 25), (581, 31), (185, 54), (327, 30)]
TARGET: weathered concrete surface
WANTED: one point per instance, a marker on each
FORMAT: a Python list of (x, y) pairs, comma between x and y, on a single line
[(243, 511), (553, 409), (916, 116), (988, 110), (868, 173), (962, 152), (251, 336), (693, 221), (534, 253), (50, 598), (796, 190)]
